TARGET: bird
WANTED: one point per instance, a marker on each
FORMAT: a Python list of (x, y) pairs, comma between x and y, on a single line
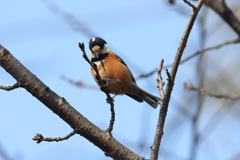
[(115, 72)]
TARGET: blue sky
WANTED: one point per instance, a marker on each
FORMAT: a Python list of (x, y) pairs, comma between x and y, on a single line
[(141, 32)]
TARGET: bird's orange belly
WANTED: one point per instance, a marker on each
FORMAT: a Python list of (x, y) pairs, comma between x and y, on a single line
[(116, 83)]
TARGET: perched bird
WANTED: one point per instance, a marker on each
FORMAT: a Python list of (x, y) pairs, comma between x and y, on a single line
[(118, 77)]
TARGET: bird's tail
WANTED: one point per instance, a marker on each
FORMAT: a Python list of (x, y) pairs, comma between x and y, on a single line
[(145, 96), (149, 98)]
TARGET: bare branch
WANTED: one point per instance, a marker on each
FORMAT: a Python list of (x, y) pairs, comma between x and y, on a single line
[(110, 127), (160, 81), (208, 49), (170, 84), (147, 74), (190, 4), (101, 82), (225, 13), (39, 138), (9, 88), (204, 92), (191, 56), (64, 110), (80, 83)]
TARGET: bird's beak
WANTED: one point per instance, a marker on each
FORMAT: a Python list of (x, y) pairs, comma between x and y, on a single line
[(97, 54)]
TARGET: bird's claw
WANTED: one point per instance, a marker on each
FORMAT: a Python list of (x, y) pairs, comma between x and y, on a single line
[(107, 80)]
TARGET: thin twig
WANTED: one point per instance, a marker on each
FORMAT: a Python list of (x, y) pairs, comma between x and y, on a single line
[(80, 83), (160, 81), (146, 74), (169, 76), (110, 127), (190, 4), (225, 13), (170, 84), (9, 88), (110, 101), (191, 56), (39, 138), (101, 83), (204, 92), (207, 49)]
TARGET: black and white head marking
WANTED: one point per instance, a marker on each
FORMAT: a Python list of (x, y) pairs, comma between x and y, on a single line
[(98, 49)]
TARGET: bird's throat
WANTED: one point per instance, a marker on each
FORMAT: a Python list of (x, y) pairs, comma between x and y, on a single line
[(100, 57)]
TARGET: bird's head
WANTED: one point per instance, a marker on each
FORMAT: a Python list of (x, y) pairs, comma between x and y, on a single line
[(98, 47)]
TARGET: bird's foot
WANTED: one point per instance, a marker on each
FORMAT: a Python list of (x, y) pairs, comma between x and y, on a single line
[(110, 100), (107, 80)]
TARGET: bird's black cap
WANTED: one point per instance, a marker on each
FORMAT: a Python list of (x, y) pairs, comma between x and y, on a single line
[(96, 41)]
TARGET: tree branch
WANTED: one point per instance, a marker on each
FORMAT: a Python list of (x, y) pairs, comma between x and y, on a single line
[(170, 84), (204, 92), (160, 81), (192, 56), (9, 88), (225, 13), (39, 138), (80, 83), (190, 4), (64, 110)]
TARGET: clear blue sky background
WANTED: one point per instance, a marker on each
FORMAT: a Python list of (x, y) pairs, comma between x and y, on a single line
[(141, 32)]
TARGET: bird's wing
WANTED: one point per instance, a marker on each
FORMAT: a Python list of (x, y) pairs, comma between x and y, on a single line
[(120, 60)]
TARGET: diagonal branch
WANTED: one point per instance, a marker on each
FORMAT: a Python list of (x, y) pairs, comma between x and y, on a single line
[(225, 13), (207, 49), (64, 110), (170, 84), (190, 4), (204, 92), (192, 56)]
